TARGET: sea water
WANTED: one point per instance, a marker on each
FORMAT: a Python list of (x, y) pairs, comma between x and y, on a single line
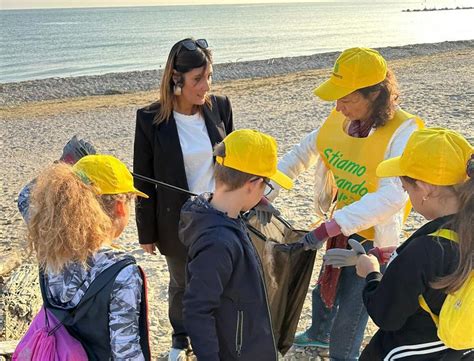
[(70, 42)]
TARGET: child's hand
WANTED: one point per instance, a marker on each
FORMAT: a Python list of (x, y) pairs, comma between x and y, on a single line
[(386, 253), (367, 264), (383, 253), (338, 257)]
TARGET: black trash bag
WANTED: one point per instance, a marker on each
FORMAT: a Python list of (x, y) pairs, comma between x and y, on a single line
[(287, 270)]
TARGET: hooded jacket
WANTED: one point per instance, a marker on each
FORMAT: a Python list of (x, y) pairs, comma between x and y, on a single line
[(226, 312), (407, 332)]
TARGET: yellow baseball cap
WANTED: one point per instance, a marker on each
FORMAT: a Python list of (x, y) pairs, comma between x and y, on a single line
[(252, 152), (107, 174), (355, 68), (433, 155)]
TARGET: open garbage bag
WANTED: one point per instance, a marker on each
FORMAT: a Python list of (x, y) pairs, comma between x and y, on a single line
[(287, 272), (287, 268)]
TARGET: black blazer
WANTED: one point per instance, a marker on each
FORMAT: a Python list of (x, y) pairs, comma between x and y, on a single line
[(157, 154)]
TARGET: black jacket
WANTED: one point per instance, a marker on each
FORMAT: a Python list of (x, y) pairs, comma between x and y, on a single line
[(157, 154), (226, 312), (407, 332)]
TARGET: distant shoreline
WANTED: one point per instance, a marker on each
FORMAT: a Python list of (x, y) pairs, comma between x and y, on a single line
[(438, 9), (12, 94)]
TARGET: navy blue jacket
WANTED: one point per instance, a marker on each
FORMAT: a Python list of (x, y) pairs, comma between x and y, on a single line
[(226, 312)]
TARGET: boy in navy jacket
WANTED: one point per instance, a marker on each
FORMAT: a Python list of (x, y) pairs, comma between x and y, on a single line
[(226, 311)]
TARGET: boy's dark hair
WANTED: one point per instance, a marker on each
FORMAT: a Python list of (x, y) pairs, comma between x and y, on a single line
[(232, 178)]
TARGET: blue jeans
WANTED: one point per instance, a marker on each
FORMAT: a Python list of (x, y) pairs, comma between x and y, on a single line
[(344, 324)]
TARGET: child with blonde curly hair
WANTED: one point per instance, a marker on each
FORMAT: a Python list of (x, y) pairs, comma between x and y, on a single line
[(75, 214)]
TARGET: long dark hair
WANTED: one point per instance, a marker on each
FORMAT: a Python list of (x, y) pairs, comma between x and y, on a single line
[(180, 61), (384, 106), (462, 224)]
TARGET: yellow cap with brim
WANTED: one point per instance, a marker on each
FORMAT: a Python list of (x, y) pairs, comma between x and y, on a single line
[(107, 174), (255, 153), (390, 168), (434, 155), (282, 179), (355, 68), (329, 91)]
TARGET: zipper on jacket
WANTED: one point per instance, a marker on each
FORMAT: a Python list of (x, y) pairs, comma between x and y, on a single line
[(239, 333)]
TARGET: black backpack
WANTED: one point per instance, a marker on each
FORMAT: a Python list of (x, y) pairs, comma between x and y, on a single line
[(88, 322)]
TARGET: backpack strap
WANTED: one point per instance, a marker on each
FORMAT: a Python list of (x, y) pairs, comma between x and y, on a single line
[(447, 234), (424, 305), (104, 278), (95, 287), (453, 237), (143, 320)]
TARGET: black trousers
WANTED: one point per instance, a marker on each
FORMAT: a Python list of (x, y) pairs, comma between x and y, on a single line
[(177, 270)]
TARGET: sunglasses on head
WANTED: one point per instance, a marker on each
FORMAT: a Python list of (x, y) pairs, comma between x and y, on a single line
[(192, 45)]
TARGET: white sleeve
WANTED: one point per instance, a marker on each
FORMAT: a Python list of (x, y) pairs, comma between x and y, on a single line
[(388, 199), (301, 157)]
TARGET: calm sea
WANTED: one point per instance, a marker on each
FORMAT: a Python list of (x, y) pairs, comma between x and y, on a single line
[(70, 42)]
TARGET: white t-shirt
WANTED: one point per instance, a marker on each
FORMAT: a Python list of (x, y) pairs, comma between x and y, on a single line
[(197, 152)]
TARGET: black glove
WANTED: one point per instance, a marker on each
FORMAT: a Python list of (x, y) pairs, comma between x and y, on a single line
[(75, 149), (311, 242), (264, 211)]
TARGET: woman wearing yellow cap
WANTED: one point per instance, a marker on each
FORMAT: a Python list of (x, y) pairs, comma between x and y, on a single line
[(365, 127), (437, 171), (75, 214)]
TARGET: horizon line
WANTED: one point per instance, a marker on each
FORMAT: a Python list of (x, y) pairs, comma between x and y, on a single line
[(179, 4)]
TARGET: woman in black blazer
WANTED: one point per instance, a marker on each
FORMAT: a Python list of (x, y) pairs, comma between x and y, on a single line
[(174, 138)]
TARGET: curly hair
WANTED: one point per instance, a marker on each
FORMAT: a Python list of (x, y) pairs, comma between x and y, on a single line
[(69, 220), (384, 106)]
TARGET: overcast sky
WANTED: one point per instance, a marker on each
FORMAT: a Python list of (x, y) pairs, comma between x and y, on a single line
[(28, 4)]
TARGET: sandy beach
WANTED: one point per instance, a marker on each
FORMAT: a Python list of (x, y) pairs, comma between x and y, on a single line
[(274, 96)]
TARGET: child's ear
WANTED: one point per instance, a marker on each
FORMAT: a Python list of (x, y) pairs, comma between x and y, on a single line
[(120, 210), (374, 95), (253, 184), (426, 188)]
